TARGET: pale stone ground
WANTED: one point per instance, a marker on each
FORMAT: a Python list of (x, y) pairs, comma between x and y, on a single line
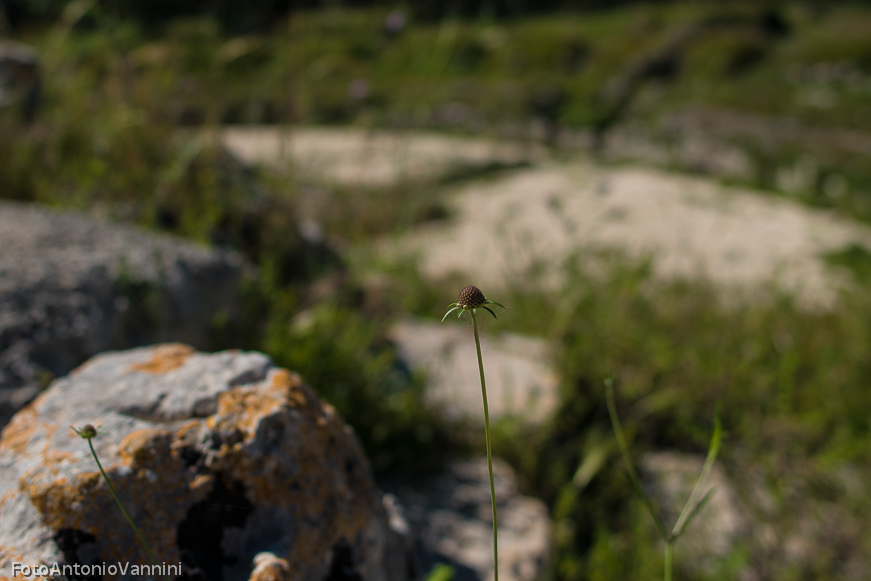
[(692, 227), (554, 210), (370, 159), (520, 379)]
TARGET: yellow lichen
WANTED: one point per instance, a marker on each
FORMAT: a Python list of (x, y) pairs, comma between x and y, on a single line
[(164, 358)]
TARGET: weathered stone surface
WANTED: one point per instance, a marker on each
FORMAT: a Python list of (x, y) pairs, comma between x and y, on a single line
[(452, 521), (520, 378), (72, 286), (218, 458)]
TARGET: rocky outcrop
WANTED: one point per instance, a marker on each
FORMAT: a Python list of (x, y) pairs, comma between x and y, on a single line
[(72, 286), (229, 465), (452, 522)]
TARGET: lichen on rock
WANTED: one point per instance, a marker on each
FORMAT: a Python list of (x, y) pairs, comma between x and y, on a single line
[(218, 458)]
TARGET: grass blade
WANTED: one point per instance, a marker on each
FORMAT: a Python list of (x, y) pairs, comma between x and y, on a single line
[(693, 504)]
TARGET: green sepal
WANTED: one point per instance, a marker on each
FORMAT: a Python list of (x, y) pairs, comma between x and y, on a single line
[(489, 311), (451, 311)]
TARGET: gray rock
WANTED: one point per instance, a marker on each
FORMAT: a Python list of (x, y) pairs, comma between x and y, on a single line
[(520, 377), (229, 465), (452, 520), (72, 286)]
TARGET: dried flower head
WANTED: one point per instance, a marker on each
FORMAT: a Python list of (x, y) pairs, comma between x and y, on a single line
[(471, 298), (86, 432)]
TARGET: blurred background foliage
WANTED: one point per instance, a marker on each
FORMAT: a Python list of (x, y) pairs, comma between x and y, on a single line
[(132, 93), (728, 73)]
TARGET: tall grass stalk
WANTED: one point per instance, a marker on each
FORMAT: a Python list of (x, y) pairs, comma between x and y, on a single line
[(693, 505)]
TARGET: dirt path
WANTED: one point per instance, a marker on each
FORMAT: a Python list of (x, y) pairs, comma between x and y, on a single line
[(532, 220)]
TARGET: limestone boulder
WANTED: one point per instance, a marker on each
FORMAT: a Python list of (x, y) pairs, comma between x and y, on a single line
[(72, 286), (232, 468)]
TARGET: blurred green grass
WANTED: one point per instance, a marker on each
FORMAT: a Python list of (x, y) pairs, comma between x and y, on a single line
[(792, 385), (114, 88), (120, 135)]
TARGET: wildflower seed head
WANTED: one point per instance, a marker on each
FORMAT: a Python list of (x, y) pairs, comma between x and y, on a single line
[(470, 300), (87, 431), (471, 297)]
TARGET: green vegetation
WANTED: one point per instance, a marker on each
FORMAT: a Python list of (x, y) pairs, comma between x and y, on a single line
[(788, 88), (694, 504), (123, 132)]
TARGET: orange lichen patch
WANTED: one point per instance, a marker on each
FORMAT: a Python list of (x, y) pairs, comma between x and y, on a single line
[(53, 459), (56, 500), (202, 483), (241, 408), (292, 385), (56, 457), (191, 426), (4, 499), (164, 359), (144, 446), (7, 554), (7, 557), (17, 434)]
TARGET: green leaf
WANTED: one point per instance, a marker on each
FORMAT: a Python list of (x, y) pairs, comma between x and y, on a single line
[(441, 572)]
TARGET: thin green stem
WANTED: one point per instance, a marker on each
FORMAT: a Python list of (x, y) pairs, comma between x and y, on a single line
[(627, 460), (487, 439), (669, 548), (693, 505), (121, 506)]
